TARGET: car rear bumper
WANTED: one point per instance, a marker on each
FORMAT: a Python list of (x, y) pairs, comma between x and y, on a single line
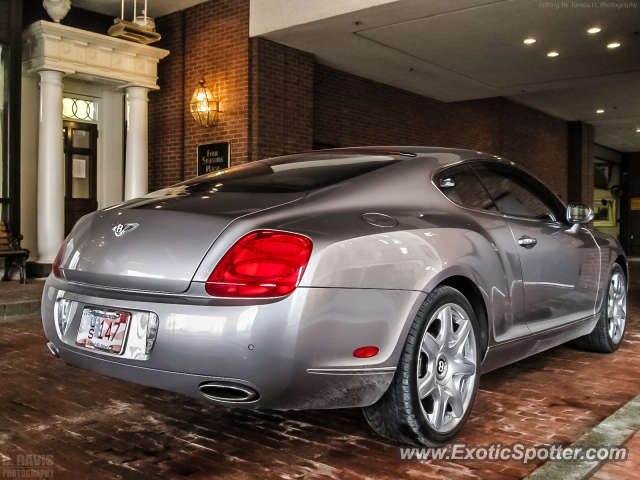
[(296, 353)]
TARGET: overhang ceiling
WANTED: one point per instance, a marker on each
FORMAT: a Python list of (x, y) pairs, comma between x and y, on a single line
[(458, 50), (470, 49), (157, 8)]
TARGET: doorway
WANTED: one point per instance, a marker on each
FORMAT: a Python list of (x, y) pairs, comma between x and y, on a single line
[(80, 160)]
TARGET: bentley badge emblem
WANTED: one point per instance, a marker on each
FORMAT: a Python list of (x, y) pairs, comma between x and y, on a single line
[(121, 228)]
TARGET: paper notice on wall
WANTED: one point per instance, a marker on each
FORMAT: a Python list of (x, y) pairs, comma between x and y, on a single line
[(635, 204), (79, 168)]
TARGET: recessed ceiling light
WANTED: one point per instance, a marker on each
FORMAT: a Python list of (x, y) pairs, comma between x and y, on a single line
[(638, 130), (600, 111), (552, 54), (613, 45), (594, 30), (529, 41)]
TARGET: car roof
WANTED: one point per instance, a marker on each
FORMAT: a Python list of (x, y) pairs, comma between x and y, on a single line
[(448, 155)]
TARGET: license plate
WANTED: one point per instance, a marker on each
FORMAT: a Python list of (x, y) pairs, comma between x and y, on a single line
[(103, 330)]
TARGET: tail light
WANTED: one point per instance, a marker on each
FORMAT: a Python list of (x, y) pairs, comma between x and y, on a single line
[(55, 268), (261, 264)]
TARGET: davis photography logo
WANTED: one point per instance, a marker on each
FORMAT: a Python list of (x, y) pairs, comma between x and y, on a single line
[(121, 228), (27, 466)]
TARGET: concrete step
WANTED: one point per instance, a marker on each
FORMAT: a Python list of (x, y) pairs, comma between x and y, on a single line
[(18, 300)]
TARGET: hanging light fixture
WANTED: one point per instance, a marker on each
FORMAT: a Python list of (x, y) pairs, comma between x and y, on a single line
[(204, 106)]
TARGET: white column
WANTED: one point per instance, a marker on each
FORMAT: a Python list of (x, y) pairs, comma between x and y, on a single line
[(50, 168), (137, 169), (110, 154)]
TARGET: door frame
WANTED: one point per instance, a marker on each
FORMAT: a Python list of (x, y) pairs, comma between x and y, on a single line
[(69, 151)]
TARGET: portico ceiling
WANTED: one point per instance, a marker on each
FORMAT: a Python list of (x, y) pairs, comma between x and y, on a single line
[(469, 49)]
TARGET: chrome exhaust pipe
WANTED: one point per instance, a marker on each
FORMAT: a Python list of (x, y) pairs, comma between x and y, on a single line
[(53, 350), (228, 392)]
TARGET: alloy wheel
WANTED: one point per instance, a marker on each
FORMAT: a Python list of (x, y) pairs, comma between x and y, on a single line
[(617, 307), (447, 367)]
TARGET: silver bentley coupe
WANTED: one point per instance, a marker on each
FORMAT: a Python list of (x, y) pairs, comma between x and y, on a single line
[(387, 278)]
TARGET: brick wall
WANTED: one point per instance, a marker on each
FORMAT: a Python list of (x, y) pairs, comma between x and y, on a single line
[(275, 101), (538, 141), (166, 108), (281, 99), (217, 46), (210, 39), (350, 110), (580, 162)]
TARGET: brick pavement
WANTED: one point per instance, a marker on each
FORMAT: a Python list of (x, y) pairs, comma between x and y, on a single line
[(629, 470), (94, 427)]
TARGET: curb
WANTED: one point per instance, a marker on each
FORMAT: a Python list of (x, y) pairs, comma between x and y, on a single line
[(20, 309), (613, 430)]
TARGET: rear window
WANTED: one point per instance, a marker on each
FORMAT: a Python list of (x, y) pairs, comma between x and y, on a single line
[(292, 173)]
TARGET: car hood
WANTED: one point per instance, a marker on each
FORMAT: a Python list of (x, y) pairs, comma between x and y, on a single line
[(156, 243)]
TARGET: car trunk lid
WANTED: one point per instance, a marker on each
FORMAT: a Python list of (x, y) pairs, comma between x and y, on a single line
[(156, 244)]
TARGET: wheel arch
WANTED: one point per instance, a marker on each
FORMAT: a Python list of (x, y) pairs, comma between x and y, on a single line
[(472, 293), (622, 261)]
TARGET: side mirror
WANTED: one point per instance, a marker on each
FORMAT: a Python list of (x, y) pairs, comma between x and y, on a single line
[(578, 213)]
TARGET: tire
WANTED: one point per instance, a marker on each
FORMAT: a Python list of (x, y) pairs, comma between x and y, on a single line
[(449, 373), (608, 333)]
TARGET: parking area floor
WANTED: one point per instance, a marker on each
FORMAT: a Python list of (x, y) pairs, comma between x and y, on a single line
[(78, 424)]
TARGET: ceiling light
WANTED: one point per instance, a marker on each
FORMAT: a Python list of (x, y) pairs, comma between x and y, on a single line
[(613, 45), (552, 54), (600, 111), (529, 41), (594, 30), (638, 130)]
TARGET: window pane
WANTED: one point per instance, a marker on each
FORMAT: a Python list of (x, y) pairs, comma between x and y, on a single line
[(302, 172), (513, 194), (81, 139), (79, 109), (466, 190)]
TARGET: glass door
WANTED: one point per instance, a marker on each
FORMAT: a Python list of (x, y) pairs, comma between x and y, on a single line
[(80, 154)]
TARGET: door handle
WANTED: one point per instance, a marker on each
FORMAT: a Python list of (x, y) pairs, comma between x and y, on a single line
[(527, 242)]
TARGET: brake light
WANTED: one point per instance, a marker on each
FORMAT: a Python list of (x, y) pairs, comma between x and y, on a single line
[(55, 268), (261, 264)]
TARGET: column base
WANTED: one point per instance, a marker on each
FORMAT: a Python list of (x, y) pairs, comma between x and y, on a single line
[(38, 270)]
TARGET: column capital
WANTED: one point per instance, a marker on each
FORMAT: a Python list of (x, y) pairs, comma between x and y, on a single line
[(135, 91), (52, 77)]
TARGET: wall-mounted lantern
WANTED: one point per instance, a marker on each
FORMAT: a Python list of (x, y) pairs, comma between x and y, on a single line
[(204, 106)]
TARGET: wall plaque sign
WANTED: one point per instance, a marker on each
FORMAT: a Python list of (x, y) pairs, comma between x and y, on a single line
[(213, 156), (635, 204)]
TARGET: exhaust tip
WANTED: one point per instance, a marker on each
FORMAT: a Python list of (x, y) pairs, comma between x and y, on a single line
[(53, 350), (228, 392)]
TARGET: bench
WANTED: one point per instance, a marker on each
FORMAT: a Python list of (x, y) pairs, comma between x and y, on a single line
[(13, 254)]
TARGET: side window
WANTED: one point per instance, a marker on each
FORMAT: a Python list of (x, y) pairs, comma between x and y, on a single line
[(515, 194), (461, 186)]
